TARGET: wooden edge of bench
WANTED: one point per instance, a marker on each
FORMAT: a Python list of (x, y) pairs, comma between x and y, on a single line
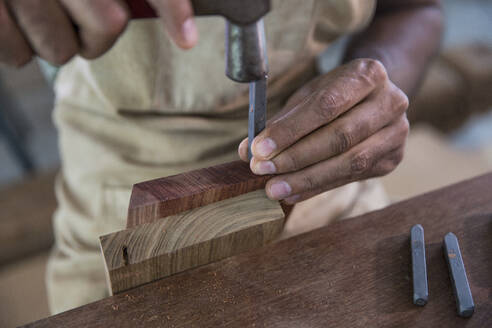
[(159, 198)]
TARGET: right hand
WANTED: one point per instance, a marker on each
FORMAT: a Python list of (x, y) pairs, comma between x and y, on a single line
[(57, 30)]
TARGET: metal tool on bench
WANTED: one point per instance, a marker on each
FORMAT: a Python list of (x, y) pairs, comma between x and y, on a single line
[(464, 299), (419, 267), (246, 52)]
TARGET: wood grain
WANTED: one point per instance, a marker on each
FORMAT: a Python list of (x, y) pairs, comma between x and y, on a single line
[(162, 197), (354, 273), (176, 243)]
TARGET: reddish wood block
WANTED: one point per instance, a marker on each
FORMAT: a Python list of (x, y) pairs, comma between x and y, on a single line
[(156, 199)]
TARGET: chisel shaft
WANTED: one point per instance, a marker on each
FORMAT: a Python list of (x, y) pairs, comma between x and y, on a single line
[(257, 110)]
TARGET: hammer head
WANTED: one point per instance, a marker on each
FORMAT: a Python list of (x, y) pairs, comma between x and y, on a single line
[(246, 52), (242, 12), (245, 33)]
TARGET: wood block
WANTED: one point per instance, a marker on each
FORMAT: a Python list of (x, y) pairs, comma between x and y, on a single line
[(441, 100), (457, 85), (199, 236), (474, 63), (162, 197)]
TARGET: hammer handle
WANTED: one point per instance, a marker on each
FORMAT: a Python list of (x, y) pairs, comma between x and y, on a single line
[(141, 9), (237, 11)]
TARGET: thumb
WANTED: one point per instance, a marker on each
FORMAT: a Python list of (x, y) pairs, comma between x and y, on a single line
[(178, 20)]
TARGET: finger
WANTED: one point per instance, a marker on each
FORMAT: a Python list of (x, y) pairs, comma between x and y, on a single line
[(15, 49), (388, 163), (178, 20), (99, 23), (384, 166), (47, 28), (243, 150), (357, 164), (364, 120), (300, 96), (343, 88)]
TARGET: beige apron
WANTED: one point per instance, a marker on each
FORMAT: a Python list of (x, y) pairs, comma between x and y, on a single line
[(147, 109)]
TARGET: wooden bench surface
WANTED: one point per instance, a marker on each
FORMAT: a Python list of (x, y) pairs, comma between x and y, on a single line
[(354, 273)]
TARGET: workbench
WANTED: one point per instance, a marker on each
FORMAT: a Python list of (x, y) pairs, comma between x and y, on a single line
[(354, 273)]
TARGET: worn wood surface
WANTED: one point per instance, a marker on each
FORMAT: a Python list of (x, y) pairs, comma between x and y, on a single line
[(200, 236), (163, 197), (26, 209), (354, 273)]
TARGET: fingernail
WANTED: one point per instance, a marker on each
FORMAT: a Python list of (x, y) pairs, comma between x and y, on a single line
[(190, 32), (265, 147), (292, 199), (265, 167), (280, 190)]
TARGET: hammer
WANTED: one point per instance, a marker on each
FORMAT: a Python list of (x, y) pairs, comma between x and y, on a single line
[(246, 52)]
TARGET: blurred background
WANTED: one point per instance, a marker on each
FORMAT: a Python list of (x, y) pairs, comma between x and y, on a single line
[(451, 140)]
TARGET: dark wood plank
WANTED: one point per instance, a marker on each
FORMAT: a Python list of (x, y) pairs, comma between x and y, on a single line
[(26, 209), (355, 273), (156, 199)]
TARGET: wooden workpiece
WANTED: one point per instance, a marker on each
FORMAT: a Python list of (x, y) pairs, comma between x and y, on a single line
[(199, 236), (155, 199), (183, 221), (354, 273)]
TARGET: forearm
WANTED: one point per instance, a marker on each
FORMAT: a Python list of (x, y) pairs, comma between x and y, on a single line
[(404, 36)]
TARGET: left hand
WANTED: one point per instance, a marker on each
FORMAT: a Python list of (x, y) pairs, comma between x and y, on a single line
[(344, 126)]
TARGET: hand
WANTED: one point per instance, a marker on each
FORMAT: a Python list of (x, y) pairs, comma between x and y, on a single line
[(57, 30), (345, 126)]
